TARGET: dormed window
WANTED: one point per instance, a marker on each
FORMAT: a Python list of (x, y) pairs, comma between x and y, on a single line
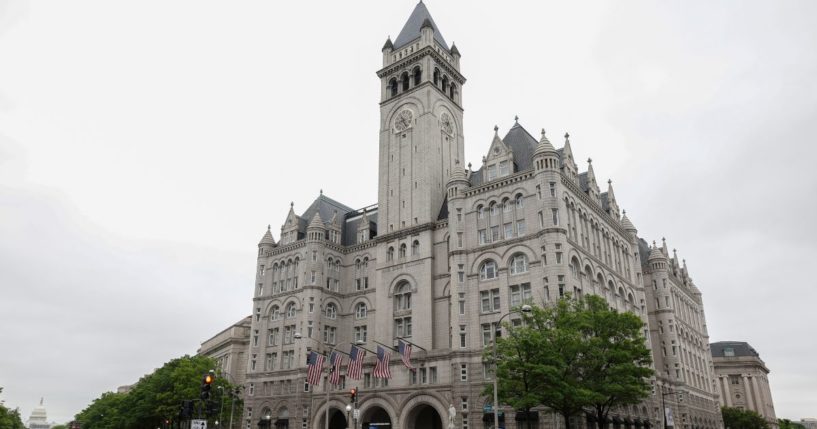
[(519, 264), (361, 311), (487, 270), (331, 311), (402, 297)]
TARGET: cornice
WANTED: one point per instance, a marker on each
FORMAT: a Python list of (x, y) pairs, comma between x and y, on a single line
[(611, 222), (417, 56), (498, 183)]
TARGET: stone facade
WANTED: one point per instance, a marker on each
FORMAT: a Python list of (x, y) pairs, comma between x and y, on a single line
[(446, 252), (742, 378), (229, 349)]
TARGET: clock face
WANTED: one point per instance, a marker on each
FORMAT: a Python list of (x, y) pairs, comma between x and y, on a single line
[(403, 120), (445, 121)]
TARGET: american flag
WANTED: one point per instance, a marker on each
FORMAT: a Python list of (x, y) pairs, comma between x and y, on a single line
[(381, 368), (355, 368), (315, 367), (335, 361), (405, 352)]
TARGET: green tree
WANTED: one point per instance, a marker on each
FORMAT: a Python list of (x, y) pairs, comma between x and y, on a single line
[(575, 354), (59, 427), (155, 398), (788, 424), (10, 419), (735, 418), (615, 362)]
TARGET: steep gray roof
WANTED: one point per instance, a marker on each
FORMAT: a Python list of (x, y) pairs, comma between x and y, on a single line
[(740, 348), (605, 202), (643, 251), (352, 222), (326, 208), (411, 31), (523, 145)]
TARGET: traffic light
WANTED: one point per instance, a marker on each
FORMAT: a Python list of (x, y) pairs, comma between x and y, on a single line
[(206, 385), (353, 394)]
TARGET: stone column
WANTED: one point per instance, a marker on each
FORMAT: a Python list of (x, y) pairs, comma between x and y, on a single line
[(759, 398), (748, 393), (727, 394)]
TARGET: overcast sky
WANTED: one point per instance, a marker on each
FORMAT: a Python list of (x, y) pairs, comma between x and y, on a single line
[(145, 146)]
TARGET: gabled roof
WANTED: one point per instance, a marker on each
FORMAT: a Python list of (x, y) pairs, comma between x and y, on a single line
[(522, 144), (411, 30)]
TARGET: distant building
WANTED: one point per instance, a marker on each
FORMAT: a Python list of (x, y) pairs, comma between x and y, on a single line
[(125, 389), (38, 418), (229, 349), (809, 423), (742, 378)]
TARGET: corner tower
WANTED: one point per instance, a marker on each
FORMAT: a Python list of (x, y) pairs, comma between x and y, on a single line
[(420, 123)]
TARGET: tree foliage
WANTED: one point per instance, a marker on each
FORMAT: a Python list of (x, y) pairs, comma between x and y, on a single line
[(788, 424), (155, 398), (575, 354), (10, 419), (735, 418)]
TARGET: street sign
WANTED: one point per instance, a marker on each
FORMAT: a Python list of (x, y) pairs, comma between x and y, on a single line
[(356, 413), (487, 408), (198, 424)]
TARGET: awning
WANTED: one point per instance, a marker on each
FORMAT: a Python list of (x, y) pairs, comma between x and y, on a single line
[(521, 416)]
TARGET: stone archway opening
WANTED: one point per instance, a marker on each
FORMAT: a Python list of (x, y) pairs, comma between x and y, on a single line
[(337, 419), (424, 416), (375, 418)]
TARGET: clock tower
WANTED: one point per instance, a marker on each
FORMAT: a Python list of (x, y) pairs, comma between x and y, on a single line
[(420, 123)]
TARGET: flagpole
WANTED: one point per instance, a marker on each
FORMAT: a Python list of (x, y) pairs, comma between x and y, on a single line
[(388, 347), (364, 348), (415, 345)]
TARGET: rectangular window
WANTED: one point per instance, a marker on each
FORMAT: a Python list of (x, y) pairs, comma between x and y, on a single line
[(521, 229), (552, 189), (463, 372), (329, 334), (255, 338), (561, 286), (491, 172), (558, 257), (359, 284), (459, 239), (503, 168), (462, 304), (464, 403), (494, 233), (541, 220), (489, 300), (367, 380), (487, 334), (432, 375), (463, 342), (360, 333), (482, 236), (312, 278), (461, 276), (252, 389), (252, 363), (423, 375), (412, 377), (508, 230), (555, 216), (402, 327), (459, 215)]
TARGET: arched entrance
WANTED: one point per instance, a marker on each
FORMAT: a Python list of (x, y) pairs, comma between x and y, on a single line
[(424, 416), (337, 419), (375, 418)]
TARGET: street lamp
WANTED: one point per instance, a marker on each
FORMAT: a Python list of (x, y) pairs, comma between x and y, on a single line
[(663, 405), (524, 309)]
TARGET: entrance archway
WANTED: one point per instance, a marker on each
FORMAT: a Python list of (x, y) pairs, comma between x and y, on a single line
[(424, 416), (337, 419), (375, 418)]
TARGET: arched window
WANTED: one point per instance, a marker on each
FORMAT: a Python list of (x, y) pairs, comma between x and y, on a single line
[(404, 78), (393, 87), (290, 310), (487, 270), (402, 297), (445, 83), (494, 208), (357, 264), (361, 310), (415, 248), (506, 205), (390, 254), (574, 268), (331, 311), (403, 250), (520, 201), (480, 212), (452, 91), (519, 264), (436, 77), (418, 76), (275, 314)]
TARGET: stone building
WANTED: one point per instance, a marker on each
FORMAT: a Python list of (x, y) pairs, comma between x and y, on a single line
[(39, 418), (446, 252), (229, 349), (742, 378)]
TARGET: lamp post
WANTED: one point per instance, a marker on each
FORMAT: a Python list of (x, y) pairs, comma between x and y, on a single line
[(524, 309), (663, 405), (348, 410)]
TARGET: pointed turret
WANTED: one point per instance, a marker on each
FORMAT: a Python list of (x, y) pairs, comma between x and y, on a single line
[(656, 253), (568, 162), (458, 182), (420, 19), (627, 224), (612, 204), (545, 156), (388, 46), (267, 240), (664, 247), (544, 145)]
